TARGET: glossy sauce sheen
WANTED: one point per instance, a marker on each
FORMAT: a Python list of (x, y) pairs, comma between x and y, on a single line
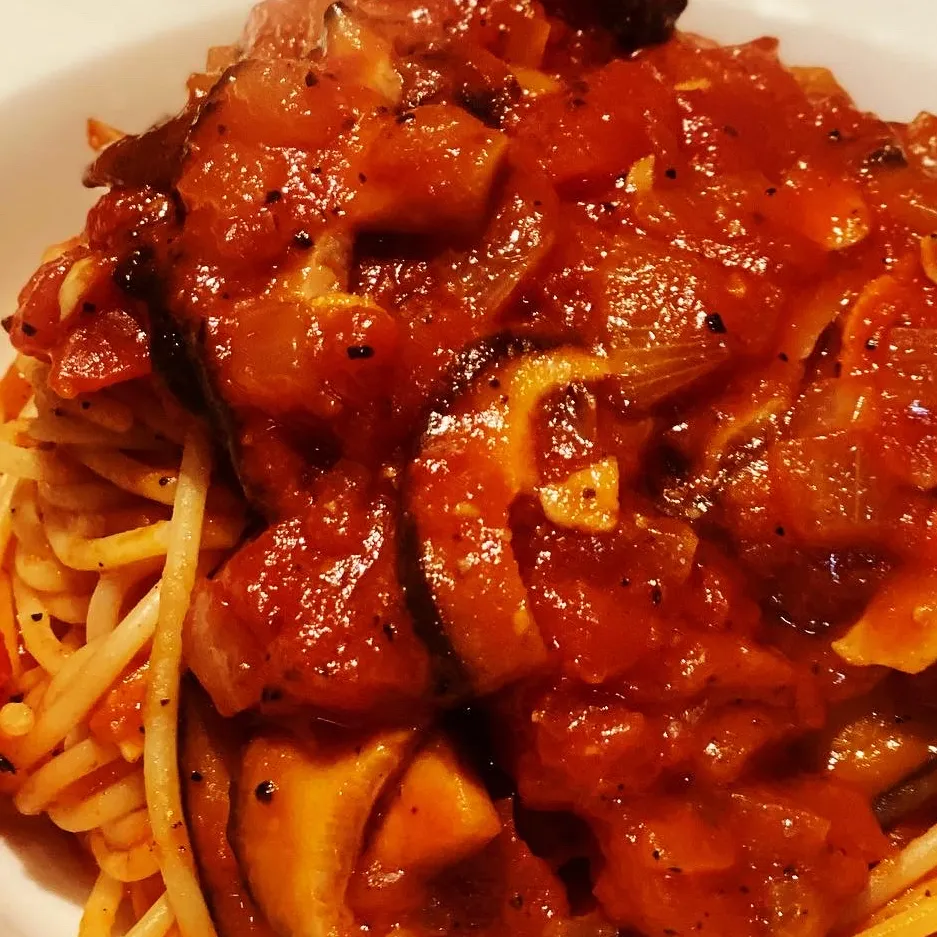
[(596, 388)]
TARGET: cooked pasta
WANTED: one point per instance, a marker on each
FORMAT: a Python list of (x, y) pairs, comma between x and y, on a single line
[(87, 594)]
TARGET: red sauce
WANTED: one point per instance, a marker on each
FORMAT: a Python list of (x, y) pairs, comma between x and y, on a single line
[(365, 247)]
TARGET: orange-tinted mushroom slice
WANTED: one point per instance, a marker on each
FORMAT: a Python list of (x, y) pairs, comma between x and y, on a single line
[(475, 460), (301, 817)]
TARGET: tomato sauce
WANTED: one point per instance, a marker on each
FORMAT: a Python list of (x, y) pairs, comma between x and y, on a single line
[(593, 390)]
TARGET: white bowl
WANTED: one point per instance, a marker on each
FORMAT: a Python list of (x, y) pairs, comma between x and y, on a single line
[(125, 62)]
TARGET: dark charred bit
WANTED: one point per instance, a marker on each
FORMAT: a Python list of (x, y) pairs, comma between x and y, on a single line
[(153, 158), (715, 324), (887, 156), (635, 23), (488, 104)]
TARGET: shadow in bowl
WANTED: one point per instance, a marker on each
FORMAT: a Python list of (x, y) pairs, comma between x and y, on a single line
[(53, 859)]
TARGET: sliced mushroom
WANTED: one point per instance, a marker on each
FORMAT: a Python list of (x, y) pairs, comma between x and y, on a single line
[(475, 460), (208, 762), (300, 825)]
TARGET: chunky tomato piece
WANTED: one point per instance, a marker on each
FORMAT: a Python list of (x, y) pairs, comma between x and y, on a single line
[(119, 716), (109, 348), (314, 610)]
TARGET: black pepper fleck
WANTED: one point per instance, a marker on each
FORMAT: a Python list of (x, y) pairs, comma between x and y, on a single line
[(783, 357), (360, 352), (670, 173), (517, 902), (36, 616), (273, 196), (264, 791), (302, 239), (196, 777), (311, 79), (715, 324), (6, 766), (28, 330)]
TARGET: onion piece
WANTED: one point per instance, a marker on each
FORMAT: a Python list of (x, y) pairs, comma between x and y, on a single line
[(899, 628)]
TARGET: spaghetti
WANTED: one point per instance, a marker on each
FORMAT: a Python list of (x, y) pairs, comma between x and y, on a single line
[(93, 593)]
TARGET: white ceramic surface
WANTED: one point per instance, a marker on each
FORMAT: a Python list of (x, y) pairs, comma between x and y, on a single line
[(125, 61)]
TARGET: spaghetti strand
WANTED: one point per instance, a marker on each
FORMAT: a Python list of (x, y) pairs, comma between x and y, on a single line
[(161, 710)]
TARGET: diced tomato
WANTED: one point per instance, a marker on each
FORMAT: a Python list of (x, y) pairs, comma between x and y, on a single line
[(119, 716), (107, 347), (596, 131)]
